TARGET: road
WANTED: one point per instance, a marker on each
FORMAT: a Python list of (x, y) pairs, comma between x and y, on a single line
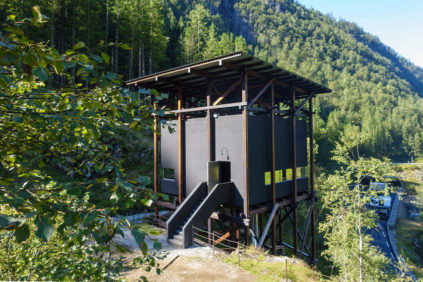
[(381, 241)]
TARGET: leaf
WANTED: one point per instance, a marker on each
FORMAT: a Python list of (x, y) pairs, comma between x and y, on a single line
[(105, 57), (31, 214), (9, 222), (44, 228), (125, 46), (121, 249), (78, 45), (133, 124), (157, 245), (22, 233), (144, 180), (149, 203), (90, 218), (101, 180), (114, 198), (37, 16), (139, 236), (41, 73)]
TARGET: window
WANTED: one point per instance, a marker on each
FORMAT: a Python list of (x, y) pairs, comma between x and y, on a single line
[(267, 178), (169, 173), (289, 174), (278, 176)]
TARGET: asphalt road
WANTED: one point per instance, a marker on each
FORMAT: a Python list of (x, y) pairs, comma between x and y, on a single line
[(381, 241)]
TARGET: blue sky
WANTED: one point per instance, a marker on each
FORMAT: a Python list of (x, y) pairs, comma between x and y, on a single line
[(398, 24)]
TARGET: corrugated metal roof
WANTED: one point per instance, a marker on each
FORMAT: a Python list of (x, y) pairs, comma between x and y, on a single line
[(223, 71)]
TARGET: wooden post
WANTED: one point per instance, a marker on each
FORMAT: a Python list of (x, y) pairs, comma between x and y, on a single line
[(272, 117), (210, 142), (313, 211), (156, 158), (294, 171), (245, 152), (181, 141)]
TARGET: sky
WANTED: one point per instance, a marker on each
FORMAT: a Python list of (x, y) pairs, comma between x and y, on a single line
[(397, 23)]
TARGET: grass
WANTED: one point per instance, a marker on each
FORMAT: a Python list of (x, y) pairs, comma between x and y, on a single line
[(150, 229), (265, 269), (407, 231)]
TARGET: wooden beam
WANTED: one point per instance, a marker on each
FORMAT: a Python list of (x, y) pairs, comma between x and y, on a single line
[(263, 77), (220, 239), (197, 109), (245, 170), (313, 212), (251, 103), (294, 169), (273, 162), (227, 92), (156, 158), (181, 141)]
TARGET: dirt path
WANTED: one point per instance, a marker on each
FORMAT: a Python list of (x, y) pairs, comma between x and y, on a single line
[(193, 268)]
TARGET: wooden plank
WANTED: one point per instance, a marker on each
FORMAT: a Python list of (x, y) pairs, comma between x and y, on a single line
[(223, 237)]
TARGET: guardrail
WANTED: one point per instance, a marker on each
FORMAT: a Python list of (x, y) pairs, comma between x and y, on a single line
[(392, 221)]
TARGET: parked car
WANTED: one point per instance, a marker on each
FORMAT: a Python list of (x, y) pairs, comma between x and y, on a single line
[(381, 200)]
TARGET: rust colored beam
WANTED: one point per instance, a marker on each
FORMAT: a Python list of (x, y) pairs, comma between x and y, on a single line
[(181, 141), (209, 118), (156, 158), (272, 116), (294, 170), (220, 239), (228, 91), (244, 97), (312, 192)]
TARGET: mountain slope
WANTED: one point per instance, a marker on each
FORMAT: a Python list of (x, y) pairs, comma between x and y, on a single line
[(374, 88)]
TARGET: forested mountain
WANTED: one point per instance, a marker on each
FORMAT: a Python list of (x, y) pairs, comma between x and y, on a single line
[(376, 103)]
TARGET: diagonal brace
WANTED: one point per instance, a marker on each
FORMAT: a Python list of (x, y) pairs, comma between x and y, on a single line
[(303, 103), (260, 93), (227, 92), (269, 222)]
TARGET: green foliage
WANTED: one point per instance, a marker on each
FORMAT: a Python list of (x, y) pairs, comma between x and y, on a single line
[(345, 202), (57, 113)]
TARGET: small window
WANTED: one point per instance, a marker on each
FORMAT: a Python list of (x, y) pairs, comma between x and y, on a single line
[(169, 173), (289, 174), (267, 178), (278, 176), (299, 172)]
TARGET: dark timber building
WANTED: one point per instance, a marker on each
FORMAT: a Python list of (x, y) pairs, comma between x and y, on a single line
[(238, 156)]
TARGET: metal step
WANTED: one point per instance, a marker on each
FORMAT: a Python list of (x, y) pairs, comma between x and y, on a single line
[(178, 237)]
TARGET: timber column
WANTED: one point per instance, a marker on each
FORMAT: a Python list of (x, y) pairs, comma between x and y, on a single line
[(244, 97), (181, 145), (156, 157), (294, 170), (312, 191)]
